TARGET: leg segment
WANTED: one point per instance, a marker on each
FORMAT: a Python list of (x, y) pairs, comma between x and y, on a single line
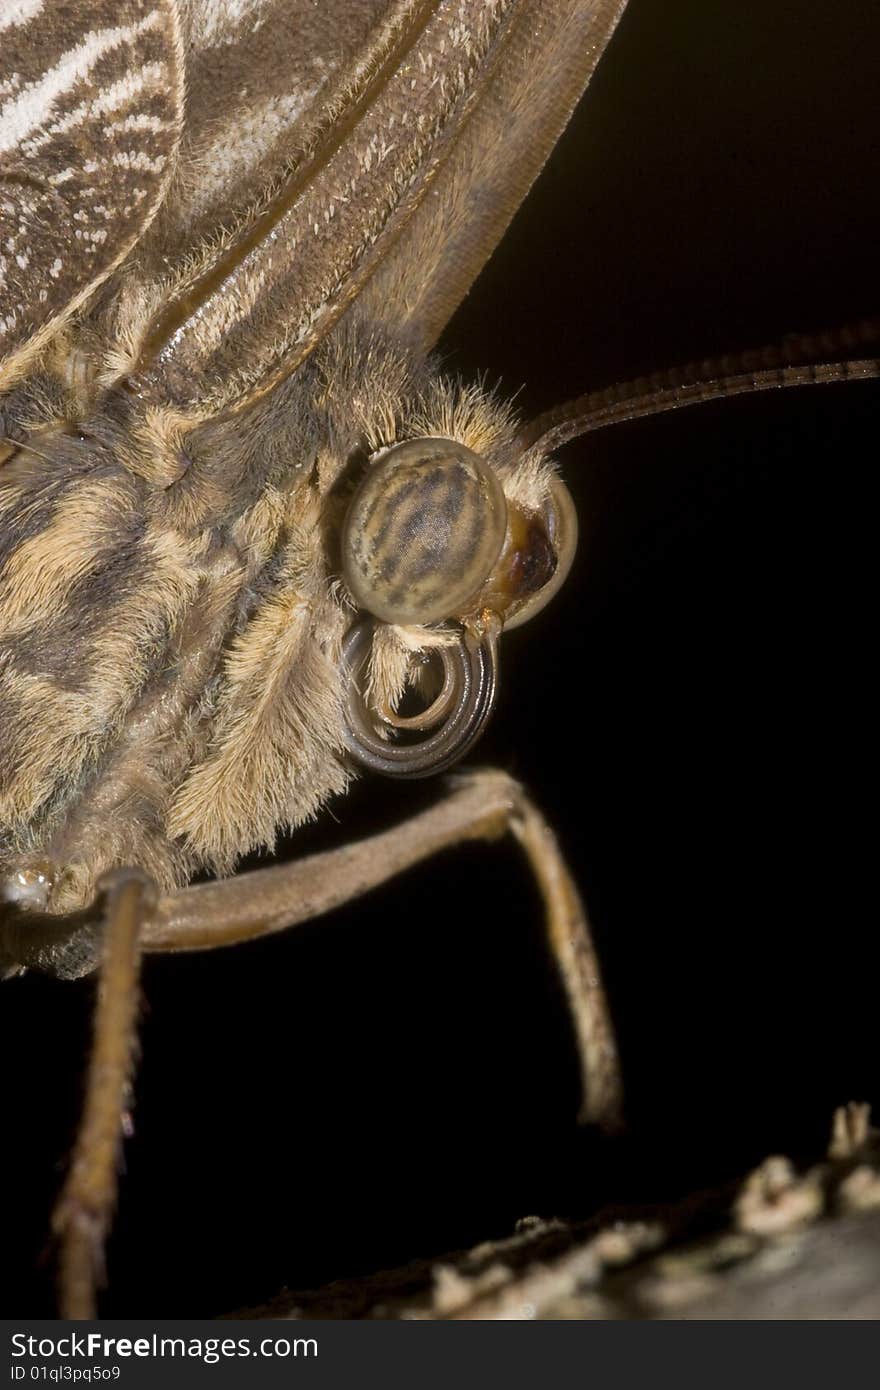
[(85, 1207), (483, 805)]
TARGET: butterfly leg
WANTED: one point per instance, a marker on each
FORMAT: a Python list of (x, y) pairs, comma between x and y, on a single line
[(85, 1207), (481, 806)]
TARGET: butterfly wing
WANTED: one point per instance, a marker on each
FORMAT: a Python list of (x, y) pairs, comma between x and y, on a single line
[(378, 158), (90, 119)]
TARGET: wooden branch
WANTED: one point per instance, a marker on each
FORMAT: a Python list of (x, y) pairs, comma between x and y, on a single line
[(782, 1244)]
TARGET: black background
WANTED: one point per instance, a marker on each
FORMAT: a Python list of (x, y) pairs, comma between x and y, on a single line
[(691, 714)]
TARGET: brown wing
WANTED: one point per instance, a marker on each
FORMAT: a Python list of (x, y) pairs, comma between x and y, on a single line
[(90, 116), (260, 79), (379, 156), (523, 108)]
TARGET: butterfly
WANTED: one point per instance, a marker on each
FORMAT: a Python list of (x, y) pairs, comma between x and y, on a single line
[(166, 375)]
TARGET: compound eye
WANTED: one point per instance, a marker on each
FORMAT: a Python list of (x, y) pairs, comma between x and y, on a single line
[(560, 519), (423, 531)]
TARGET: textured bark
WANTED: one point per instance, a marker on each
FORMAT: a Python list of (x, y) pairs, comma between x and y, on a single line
[(782, 1244)]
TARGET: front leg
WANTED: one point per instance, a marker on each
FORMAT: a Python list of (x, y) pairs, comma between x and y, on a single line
[(481, 806), (84, 1210)]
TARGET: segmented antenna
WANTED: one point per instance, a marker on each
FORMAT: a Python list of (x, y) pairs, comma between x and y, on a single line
[(799, 360)]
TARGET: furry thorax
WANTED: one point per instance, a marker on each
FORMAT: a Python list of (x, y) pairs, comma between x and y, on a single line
[(171, 611)]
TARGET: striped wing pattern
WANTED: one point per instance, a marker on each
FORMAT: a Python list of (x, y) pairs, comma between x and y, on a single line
[(375, 128), (300, 156), (90, 117)]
